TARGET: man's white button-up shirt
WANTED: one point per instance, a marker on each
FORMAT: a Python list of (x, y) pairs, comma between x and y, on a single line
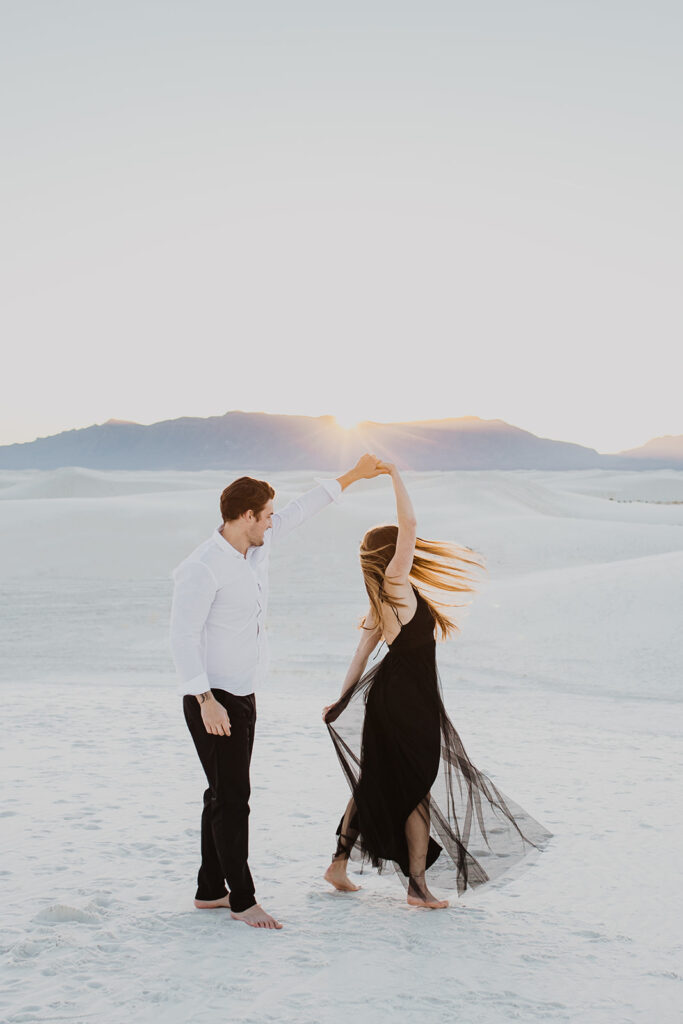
[(220, 599)]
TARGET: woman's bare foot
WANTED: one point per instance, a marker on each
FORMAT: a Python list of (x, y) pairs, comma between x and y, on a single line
[(430, 904), (224, 901), (336, 876), (420, 896), (256, 917)]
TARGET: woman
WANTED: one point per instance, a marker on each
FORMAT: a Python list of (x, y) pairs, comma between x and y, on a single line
[(417, 801)]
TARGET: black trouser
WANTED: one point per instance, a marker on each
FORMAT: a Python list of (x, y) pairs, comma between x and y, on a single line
[(225, 819)]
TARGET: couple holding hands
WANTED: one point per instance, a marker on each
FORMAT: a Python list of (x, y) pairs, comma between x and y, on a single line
[(417, 803)]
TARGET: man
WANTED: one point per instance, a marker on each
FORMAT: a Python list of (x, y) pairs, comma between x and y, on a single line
[(219, 647)]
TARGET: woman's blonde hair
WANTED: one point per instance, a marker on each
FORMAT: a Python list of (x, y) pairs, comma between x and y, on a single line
[(437, 565)]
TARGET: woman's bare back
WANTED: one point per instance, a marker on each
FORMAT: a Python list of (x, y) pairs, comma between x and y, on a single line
[(398, 607)]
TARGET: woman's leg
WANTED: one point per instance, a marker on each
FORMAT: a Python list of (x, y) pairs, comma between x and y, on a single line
[(336, 873), (347, 833), (417, 838)]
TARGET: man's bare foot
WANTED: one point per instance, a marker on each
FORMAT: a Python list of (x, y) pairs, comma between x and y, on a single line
[(224, 901), (336, 876), (256, 917)]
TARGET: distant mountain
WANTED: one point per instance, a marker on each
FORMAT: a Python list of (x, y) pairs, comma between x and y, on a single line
[(255, 441), (669, 448)]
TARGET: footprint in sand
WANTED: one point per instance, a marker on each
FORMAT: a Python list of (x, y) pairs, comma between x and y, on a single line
[(60, 913)]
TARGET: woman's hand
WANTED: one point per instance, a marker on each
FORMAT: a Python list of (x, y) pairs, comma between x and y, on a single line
[(367, 467), (325, 710), (387, 467)]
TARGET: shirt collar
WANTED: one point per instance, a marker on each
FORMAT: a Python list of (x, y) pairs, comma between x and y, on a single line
[(222, 543)]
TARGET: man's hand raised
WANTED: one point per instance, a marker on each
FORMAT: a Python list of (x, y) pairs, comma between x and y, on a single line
[(366, 467), (369, 466)]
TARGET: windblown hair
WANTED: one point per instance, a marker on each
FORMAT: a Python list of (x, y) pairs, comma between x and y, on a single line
[(243, 494), (437, 567)]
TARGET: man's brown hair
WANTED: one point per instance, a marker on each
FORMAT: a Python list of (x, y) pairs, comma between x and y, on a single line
[(243, 494)]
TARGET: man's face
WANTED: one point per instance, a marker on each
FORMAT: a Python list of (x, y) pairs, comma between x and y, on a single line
[(259, 524)]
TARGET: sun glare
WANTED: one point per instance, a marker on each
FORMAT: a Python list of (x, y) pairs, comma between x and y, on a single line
[(348, 421)]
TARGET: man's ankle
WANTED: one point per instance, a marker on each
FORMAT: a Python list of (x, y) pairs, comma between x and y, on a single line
[(239, 909)]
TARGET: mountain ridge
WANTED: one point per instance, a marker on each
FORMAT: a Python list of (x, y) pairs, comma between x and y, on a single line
[(238, 439)]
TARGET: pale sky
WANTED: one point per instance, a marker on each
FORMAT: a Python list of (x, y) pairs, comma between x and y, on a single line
[(380, 211)]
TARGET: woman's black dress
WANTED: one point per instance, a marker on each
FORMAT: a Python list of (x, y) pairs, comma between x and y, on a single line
[(400, 751)]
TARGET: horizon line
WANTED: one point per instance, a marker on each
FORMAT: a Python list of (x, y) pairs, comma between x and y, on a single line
[(349, 429)]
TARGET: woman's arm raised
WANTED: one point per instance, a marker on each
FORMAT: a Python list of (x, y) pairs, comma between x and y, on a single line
[(398, 569)]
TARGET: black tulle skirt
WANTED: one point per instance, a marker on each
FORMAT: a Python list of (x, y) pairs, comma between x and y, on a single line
[(400, 753)]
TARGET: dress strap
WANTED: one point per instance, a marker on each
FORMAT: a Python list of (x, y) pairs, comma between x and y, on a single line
[(379, 650), (383, 598)]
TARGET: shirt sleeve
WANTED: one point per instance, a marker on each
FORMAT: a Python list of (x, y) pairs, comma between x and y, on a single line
[(302, 508), (193, 594)]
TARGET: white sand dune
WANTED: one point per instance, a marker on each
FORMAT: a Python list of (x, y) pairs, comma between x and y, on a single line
[(565, 685), (76, 482)]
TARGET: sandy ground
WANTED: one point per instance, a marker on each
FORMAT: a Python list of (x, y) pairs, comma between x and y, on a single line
[(565, 686)]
